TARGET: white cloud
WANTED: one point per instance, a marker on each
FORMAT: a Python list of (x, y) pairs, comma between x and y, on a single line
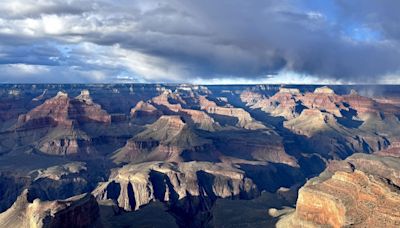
[(23, 69)]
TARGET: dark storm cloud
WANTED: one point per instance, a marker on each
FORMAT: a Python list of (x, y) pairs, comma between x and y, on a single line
[(350, 41), (381, 15)]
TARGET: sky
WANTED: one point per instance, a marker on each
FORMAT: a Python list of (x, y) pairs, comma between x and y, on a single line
[(200, 41)]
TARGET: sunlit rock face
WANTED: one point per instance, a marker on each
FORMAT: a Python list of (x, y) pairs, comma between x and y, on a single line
[(362, 191), (133, 186), (78, 211), (60, 119), (53, 112), (63, 111), (244, 118), (145, 110)]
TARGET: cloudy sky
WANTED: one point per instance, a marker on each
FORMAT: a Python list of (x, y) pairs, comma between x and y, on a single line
[(200, 41)]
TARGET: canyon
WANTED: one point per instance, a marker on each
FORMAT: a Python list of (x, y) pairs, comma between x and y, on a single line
[(118, 155)]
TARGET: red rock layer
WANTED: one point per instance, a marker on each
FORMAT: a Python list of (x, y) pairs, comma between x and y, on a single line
[(63, 111), (362, 191)]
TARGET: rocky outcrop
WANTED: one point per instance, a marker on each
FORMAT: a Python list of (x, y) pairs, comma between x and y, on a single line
[(78, 211), (243, 118), (133, 186), (362, 191), (84, 110), (393, 150), (253, 147), (285, 103), (312, 121), (197, 118), (169, 138), (250, 97), (325, 100), (11, 186), (330, 138), (55, 182), (67, 142), (60, 119), (145, 110), (324, 90), (51, 113), (62, 181), (64, 111)]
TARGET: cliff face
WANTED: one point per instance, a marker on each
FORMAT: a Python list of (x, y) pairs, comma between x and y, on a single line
[(51, 113), (63, 111), (78, 211), (145, 111), (362, 191), (55, 182), (59, 120), (243, 118), (133, 186), (166, 139)]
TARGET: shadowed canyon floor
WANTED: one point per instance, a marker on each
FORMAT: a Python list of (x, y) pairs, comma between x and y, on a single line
[(142, 155)]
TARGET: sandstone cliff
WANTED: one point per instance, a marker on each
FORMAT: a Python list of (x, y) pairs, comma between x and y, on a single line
[(362, 191), (133, 186)]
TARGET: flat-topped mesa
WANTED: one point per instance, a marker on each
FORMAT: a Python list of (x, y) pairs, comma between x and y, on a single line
[(324, 90), (362, 191), (173, 183), (293, 91), (77, 211)]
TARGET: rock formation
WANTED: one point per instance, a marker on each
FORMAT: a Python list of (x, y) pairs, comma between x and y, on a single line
[(169, 138), (183, 151), (60, 119), (362, 191), (324, 90), (64, 111), (78, 211), (198, 118), (133, 186), (145, 110), (51, 113), (61, 182), (244, 119), (393, 150)]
